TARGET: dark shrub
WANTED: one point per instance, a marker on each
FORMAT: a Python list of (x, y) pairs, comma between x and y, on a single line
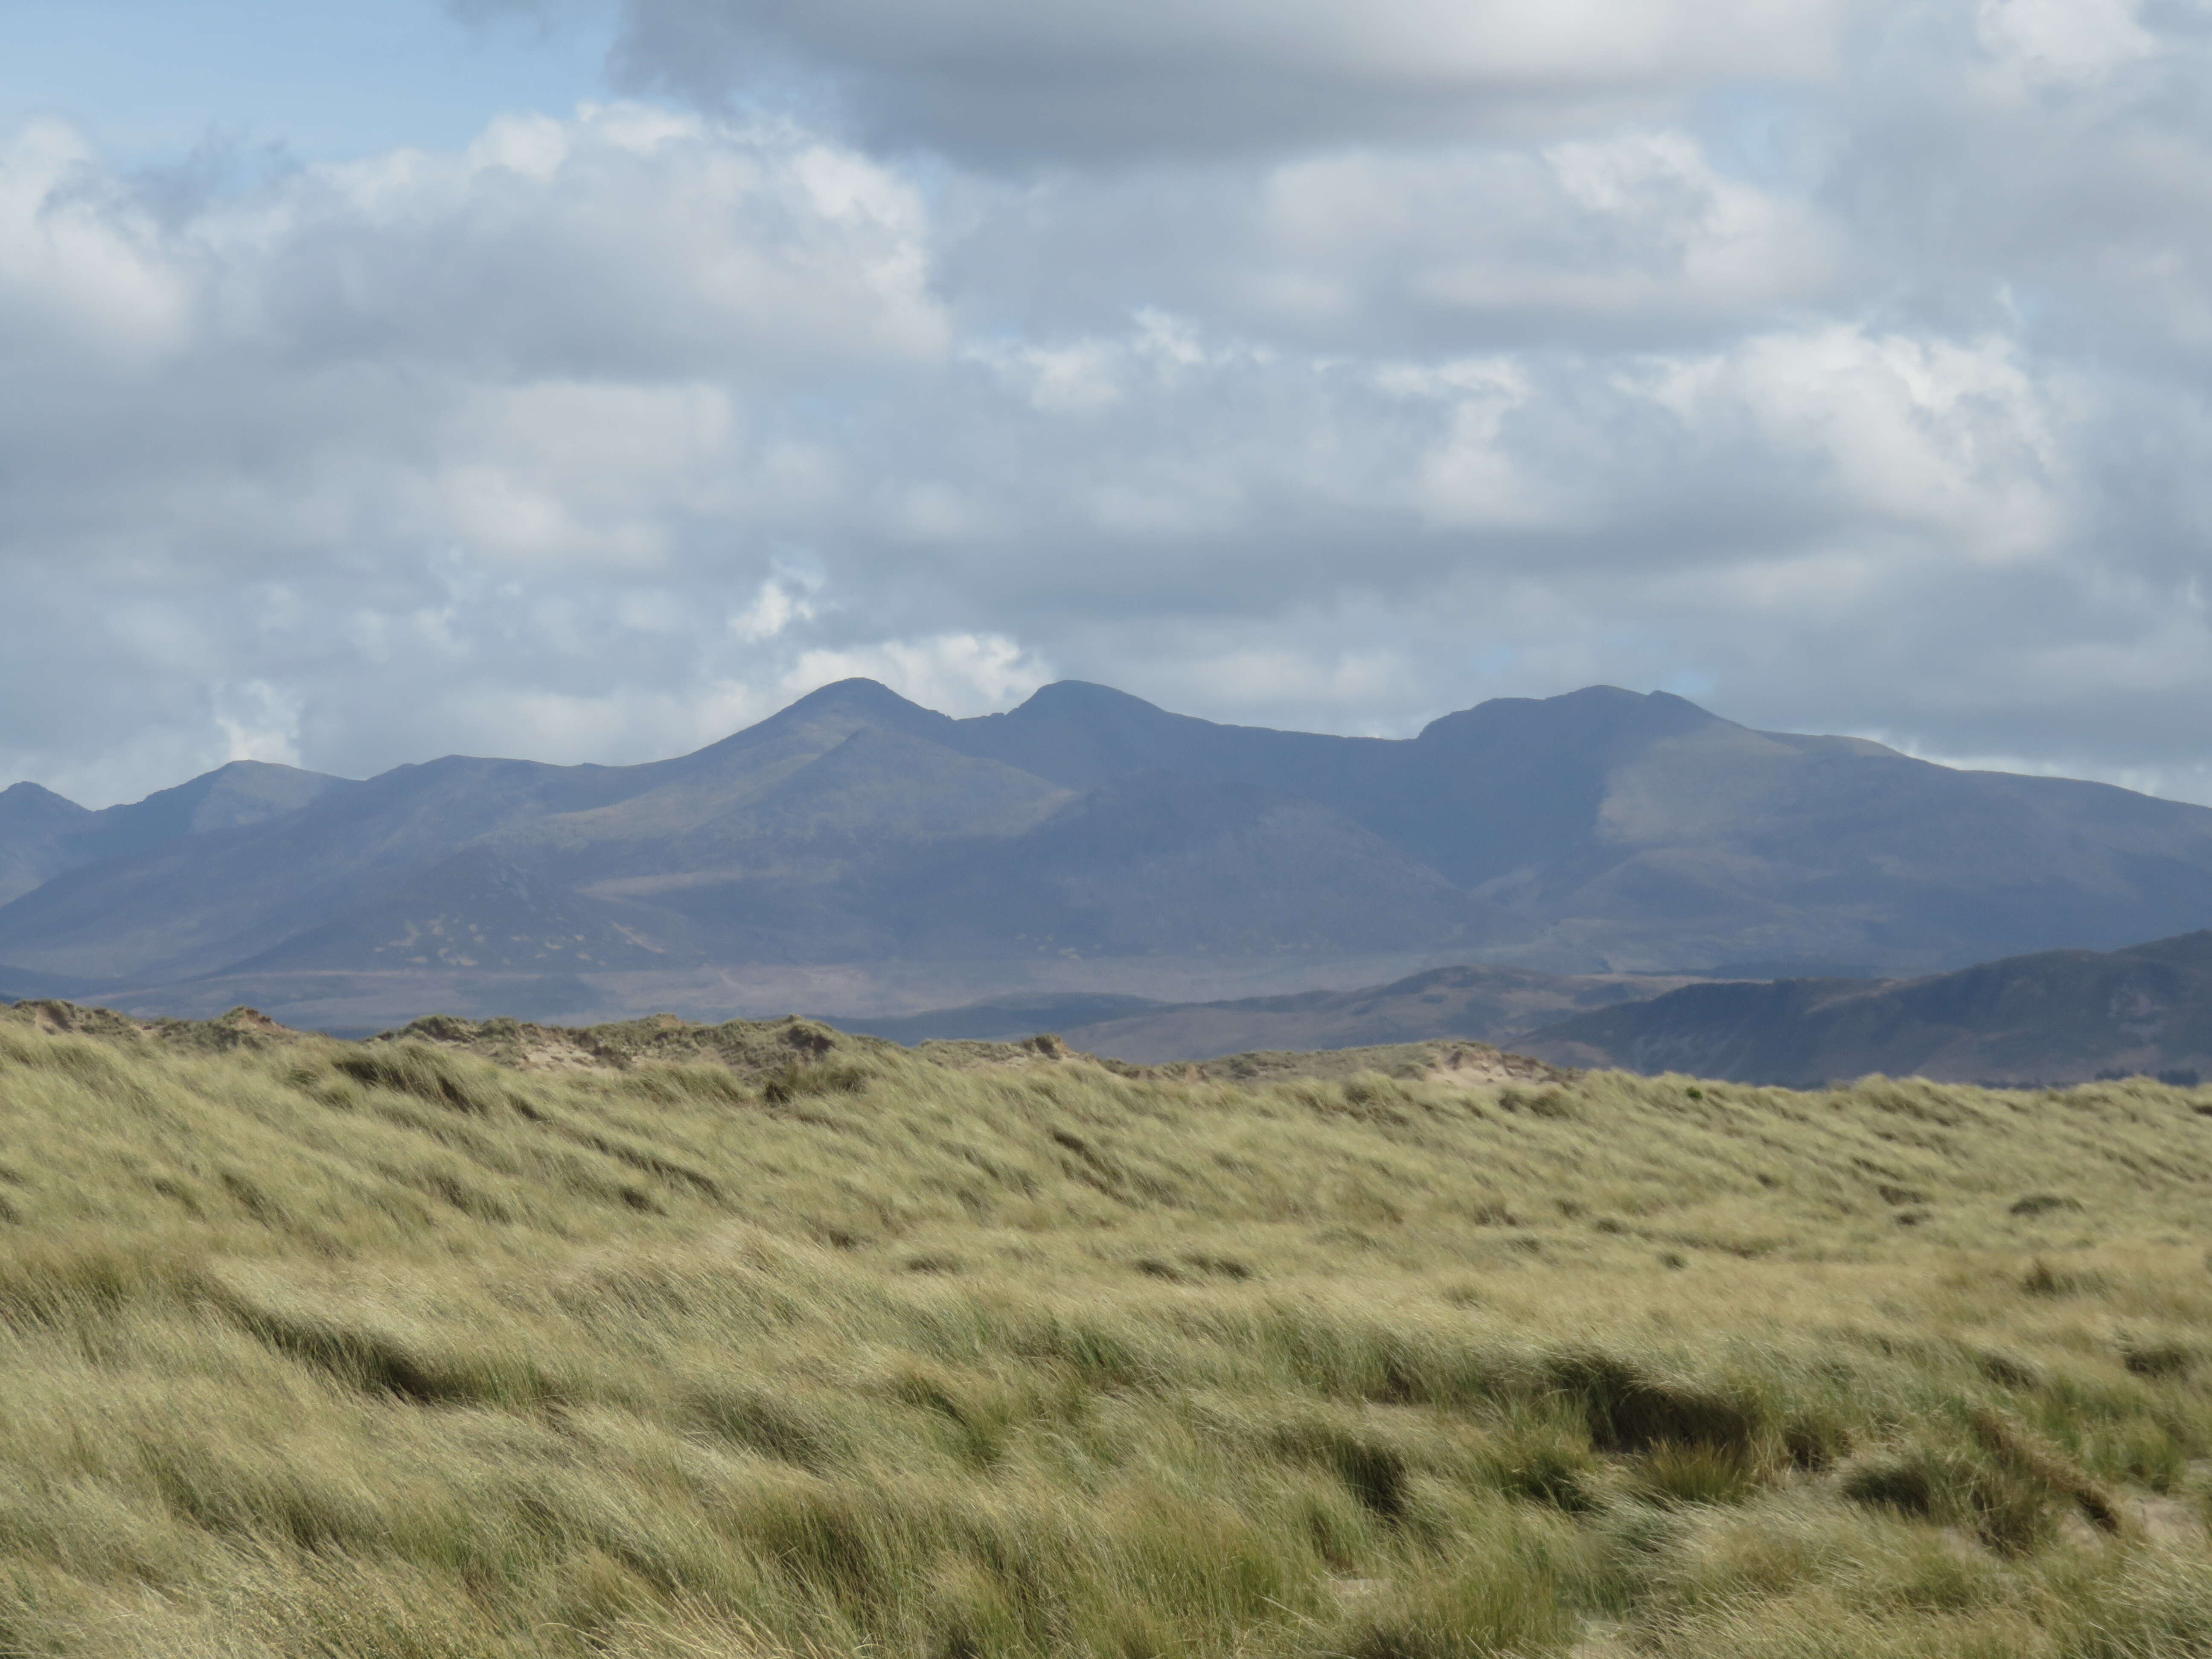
[(1629, 1411)]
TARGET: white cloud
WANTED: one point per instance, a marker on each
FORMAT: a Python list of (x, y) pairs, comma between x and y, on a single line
[(258, 722), (1956, 439), (625, 239), (773, 608), (80, 268), (1469, 477), (2061, 41), (1633, 228), (1075, 378)]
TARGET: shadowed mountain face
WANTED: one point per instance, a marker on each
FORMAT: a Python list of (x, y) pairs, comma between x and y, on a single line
[(2053, 1016), (1087, 840)]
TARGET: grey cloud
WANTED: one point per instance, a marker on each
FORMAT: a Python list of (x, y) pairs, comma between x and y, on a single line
[(1089, 79), (633, 242), (2040, 168)]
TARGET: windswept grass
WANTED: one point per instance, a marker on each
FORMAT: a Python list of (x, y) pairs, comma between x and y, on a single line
[(387, 1352)]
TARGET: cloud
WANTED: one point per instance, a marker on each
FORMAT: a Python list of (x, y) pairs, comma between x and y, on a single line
[(82, 277), (2063, 42), (258, 722), (348, 465), (1086, 79), (1632, 236), (1842, 367), (773, 608), (629, 239)]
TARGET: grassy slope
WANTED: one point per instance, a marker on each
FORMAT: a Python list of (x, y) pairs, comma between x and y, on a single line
[(388, 1351)]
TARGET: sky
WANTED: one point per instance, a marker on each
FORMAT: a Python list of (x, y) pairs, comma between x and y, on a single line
[(584, 379)]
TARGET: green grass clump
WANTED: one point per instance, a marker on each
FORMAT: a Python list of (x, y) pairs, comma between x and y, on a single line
[(766, 1342)]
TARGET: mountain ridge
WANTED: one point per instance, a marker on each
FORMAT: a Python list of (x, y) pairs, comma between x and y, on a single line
[(1601, 831)]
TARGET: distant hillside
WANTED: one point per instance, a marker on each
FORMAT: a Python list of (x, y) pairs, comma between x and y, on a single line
[(2053, 1016), (858, 846), (42, 835), (1487, 1004)]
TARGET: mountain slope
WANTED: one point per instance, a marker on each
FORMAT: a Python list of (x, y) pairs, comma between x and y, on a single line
[(641, 809), (1718, 833), (1155, 863), (477, 910), (191, 905), (2051, 1017), (239, 793), (875, 792), (35, 825)]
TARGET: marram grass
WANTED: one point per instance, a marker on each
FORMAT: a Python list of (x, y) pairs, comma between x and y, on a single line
[(389, 1352)]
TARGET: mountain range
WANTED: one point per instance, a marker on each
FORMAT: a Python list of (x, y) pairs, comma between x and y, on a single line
[(857, 852)]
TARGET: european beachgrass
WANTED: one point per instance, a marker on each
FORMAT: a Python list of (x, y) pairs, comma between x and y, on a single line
[(388, 1352)]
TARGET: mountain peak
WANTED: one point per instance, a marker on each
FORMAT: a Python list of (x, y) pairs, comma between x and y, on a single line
[(856, 701), (26, 793), (1594, 713), (858, 693), (820, 720), (1079, 735), (1067, 696), (256, 768), (31, 808)]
